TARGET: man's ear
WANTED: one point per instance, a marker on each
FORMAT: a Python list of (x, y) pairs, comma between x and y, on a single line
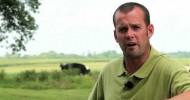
[(150, 30), (115, 36)]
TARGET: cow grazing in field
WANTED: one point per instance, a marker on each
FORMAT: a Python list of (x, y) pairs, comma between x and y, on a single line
[(82, 68)]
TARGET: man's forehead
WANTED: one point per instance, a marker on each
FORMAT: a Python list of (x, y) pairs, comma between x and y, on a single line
[(132, 17), (135, 11)]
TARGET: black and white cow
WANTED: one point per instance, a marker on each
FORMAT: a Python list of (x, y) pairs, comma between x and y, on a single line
[(82, 68)]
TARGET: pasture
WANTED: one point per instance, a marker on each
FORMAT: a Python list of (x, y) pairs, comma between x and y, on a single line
[(50, 94), (19, 65), (15, 66)]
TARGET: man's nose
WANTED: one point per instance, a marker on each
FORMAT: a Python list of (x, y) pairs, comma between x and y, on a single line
[(130, 34)]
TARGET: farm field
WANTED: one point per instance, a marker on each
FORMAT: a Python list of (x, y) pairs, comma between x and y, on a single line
[(19, 65), (13, 66), (50, 94)]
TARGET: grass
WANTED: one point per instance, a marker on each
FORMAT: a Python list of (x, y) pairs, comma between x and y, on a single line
[(50, 94), (20, 65), (38, 68), (15, 66), (185, 61)]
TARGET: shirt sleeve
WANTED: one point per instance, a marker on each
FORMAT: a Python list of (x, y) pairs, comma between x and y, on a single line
[(97, 91), (180, 81)]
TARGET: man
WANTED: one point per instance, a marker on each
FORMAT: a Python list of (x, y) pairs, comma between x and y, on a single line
[(143, 73)]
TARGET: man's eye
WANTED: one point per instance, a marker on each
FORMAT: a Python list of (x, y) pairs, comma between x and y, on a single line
[(135, 27), (123, 30)]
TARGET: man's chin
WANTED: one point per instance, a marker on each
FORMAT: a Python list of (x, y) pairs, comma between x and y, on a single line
[(133, 54)]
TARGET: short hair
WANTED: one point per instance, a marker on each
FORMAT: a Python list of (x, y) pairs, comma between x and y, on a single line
[(127, 7)]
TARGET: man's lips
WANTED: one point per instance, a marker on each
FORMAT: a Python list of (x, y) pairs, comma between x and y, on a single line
[(130, 44)]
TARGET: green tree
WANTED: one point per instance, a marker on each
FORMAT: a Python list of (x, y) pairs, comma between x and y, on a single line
[(17, 24)]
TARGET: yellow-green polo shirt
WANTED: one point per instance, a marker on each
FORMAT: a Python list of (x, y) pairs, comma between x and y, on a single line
[(160, 77)]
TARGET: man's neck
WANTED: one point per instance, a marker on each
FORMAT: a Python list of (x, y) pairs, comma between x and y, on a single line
[(132, 65)]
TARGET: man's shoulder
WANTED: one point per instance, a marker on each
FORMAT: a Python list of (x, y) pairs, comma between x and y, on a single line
[(170, 64), (113, 64), (166, 59)]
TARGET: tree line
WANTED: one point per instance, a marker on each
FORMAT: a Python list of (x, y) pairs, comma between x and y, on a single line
[(55, 55), (104, 55)]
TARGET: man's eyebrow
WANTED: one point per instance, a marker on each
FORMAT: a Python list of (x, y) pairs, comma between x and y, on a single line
[(135, 24), (122, 27)]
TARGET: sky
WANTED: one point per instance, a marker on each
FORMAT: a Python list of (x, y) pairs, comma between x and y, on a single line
[(83, 26)]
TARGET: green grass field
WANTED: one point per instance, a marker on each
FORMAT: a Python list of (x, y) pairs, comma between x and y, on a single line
[(50, 94), (11, 66), (18, 65)]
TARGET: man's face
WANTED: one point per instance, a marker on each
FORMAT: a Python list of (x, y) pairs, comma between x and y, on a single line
[(132, 33)]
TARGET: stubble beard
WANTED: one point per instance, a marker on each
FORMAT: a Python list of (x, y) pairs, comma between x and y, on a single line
[(133, 54)]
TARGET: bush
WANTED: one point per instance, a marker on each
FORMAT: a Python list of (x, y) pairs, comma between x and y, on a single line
[(43, 76), (71, 72), (68, 79), (2, 74), (29, 75), (56, 75)]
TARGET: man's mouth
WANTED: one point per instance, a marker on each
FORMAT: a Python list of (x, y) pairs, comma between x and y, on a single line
[(131, 44)]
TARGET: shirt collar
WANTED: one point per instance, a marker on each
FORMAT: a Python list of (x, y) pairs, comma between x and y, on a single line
[(121, 67)]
